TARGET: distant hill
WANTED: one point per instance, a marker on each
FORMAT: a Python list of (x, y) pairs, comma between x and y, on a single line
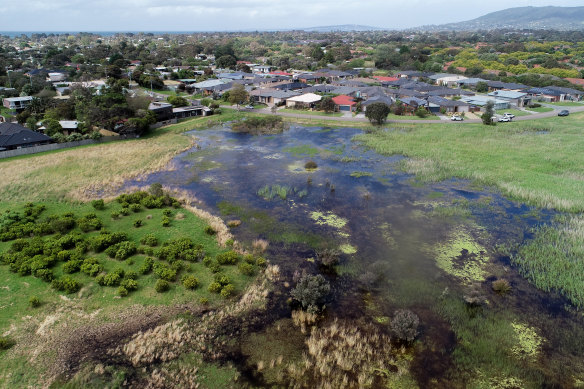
[(548, 18), (342, 28)]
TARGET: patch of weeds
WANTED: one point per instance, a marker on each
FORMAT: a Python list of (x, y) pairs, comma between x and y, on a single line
[(329, 219)]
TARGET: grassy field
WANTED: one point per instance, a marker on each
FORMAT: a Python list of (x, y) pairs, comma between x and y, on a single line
[(23, 323), (538, 162), (305, 112)]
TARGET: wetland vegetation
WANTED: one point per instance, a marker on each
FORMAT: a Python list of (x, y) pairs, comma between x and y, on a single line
[(347, 273)]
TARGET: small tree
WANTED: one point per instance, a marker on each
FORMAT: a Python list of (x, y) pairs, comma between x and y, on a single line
[(377, 113), (327, 104), (487, 117), (421, 112), (311, 291), (482, 87), (238, 95), (177, 101), (52, 127)]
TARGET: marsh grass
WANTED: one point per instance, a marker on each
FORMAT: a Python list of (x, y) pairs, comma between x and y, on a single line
[(270, 192), (537, 167), (553, 261)]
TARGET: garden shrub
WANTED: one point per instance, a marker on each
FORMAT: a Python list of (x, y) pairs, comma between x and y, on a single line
[(66, 284), (131, 275), (182, 248), (91, 267), (164, 272), (190, 282), (98, 204), (115, 214), (162, 286), (228, 258), (138, 223), (61, 223), (111, 279), (215, 287), (210, 230), (167, 213), (106, 239), (135, 207), (156, 189), (45, 275), (249, 258), (261, 261), (228, 290), (125, 211), (165, 221)]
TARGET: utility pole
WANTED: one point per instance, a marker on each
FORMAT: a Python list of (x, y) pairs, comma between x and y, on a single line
[(9, 80)]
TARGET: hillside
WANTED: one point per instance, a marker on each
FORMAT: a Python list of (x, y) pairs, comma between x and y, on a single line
[(549, 18)]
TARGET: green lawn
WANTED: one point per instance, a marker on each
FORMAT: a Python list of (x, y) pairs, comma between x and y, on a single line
[(515, 112), (305, 112), (568, 104), (5, 112), (541, 109), (391, 116)]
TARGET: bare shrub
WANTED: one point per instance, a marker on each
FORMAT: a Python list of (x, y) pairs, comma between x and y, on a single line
[(405, 324)]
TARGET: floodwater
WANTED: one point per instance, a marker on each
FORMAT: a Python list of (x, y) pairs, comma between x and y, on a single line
[(403, 244)]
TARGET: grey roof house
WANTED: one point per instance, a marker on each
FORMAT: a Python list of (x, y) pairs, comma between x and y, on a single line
[(14, 136)]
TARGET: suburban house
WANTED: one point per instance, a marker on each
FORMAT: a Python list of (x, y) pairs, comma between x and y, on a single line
[(17, 104), (555, 94), (344, 103), (377, 99), (437, 104), (14, 136), (470, 83), (449, 80), (413, 103), (272, 96), (56, 77), (481, 101), (194, 110), (499, 85), (307, 100), (518, 99), (262, 69), (306, 78), (449, 92), (162, 110), (206, 87)]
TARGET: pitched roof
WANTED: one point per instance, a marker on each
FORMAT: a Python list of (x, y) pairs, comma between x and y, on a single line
[(306, 98), (381, 78), (343, 100), (507, 94), (14, 135)]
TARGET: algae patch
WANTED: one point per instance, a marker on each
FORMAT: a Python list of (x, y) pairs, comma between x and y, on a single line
[(347, 249), (462, 257), (529, 342), (329, 219)]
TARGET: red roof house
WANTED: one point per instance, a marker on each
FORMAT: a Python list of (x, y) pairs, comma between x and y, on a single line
[(344, 103), (381, 78)]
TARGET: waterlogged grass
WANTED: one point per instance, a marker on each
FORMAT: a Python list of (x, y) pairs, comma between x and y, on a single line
[(302, 150), (270, 192), (463, 257), (361, 174), (554, 259), (541, 167)]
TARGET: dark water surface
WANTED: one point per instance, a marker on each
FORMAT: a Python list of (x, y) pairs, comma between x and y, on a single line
[(391, 230)]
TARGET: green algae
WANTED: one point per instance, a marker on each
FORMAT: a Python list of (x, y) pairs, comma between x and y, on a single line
[(329, 219), (529, 342), (347, 249), (463, 257)]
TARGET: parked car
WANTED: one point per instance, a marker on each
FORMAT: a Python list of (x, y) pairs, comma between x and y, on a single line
[(249, 106), (508, 115), (494, 119), (505, 119), (456, 118), (564, 112)]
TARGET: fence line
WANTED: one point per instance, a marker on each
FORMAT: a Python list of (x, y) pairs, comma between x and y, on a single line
[(53, 146)]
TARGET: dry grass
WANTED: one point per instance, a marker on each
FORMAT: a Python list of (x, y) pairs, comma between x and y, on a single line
[(304, 319), (87, 172), (259, 245), (343, 355)]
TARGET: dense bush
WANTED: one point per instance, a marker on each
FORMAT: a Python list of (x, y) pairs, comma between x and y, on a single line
[(311, 291), (165, 221), (146, 266), (89, 222), (66, 284), (162, 286), (246, 269), (135, 207), (190, 282), (122, 250), (210, 230), (122, 292), (62, 223), (149, 240), (228, 290), (111, 279), (6, 343), (138, 223), (164, 271), (98, 204), (182, 248), (106, 239), (129, 284), (228, 258), (72, 266), (91, 267), (34, 302), (404, 325)]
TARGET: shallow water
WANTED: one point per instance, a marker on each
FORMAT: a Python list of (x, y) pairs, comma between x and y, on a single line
[(391, 230)]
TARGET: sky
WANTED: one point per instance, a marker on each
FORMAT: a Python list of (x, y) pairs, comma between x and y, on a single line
[(229, 15)]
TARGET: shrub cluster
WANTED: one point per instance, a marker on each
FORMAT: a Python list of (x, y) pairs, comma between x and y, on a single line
[(66, 284), (180, 249), (228, 258), (222, 285), (89, 222)]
